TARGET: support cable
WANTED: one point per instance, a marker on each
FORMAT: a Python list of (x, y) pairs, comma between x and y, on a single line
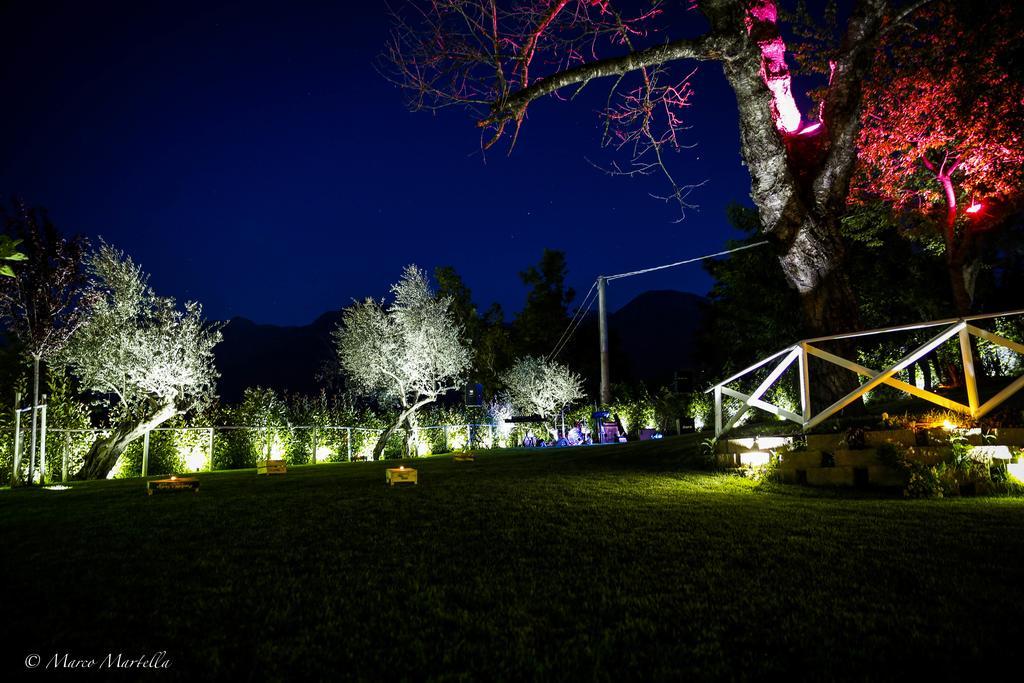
[(692, 260), (562, 340), (584, 307)]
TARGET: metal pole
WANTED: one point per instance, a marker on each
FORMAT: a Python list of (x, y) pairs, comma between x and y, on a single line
[(211, 449), (145, 454), (349, 441), (602, 313), (718, 410), (42, 442), (313, 457), (35, 418), (469, 433), (16, 469)]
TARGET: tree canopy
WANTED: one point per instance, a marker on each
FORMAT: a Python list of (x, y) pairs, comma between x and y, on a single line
[(536, 386), (407, 353), (139, 353)]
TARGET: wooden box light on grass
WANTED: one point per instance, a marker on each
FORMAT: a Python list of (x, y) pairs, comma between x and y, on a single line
[(400, 475), (172, 485), (465, 457), (271, 467)]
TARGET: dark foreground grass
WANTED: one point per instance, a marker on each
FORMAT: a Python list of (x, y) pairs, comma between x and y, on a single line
[(603, 563)]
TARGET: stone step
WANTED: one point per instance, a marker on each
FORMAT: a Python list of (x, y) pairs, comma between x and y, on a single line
[(861, 458), (800, 460), (929, 455), (1009, 436), (753, 443), (881, 475), (825, 442), (830, 476), (900, 437), (877, 475)]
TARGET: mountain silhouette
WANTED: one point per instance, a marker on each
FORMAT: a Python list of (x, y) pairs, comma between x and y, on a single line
[(283, 358), (657, 335), (652, 337)]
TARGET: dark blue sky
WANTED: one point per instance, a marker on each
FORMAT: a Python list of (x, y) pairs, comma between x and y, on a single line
[(251, 158)]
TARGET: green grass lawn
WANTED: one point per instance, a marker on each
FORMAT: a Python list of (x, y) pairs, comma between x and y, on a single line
[(603, 563)]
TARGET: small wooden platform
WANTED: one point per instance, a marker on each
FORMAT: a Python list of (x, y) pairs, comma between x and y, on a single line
[(465, 457), (271, 467), (172, 485), (400, 475)]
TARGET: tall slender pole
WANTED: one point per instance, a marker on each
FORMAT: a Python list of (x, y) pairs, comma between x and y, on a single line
[(35, 418), (145, 454), (42, 441), (16, 469), (602, 313)]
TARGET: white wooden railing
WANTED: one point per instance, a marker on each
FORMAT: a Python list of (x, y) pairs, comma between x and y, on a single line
[(799, 352)]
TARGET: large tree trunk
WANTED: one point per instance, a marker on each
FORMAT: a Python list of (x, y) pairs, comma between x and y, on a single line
[(800, 182), (957, 248), (411, 436), (106, 451), (406, 415), (962, 299), (378, 450), (813, 263)]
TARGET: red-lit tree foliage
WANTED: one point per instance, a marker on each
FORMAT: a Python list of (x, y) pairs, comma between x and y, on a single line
[(497, 58), (943, 129)]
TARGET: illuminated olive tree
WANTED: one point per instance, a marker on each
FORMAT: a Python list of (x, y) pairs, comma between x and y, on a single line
[(542, 387), (148, 359), (408, 353)]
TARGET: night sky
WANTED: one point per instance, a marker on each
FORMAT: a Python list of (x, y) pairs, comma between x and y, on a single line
[(250, 157)]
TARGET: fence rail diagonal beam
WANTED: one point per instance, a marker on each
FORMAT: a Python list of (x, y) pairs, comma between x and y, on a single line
[(892, 381), (763, 405), (803, 349), (763, 387), (914, 326), (880, 378), (1006, 393), (753, 367), (996, 339), (970, 379), (736, 417)]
